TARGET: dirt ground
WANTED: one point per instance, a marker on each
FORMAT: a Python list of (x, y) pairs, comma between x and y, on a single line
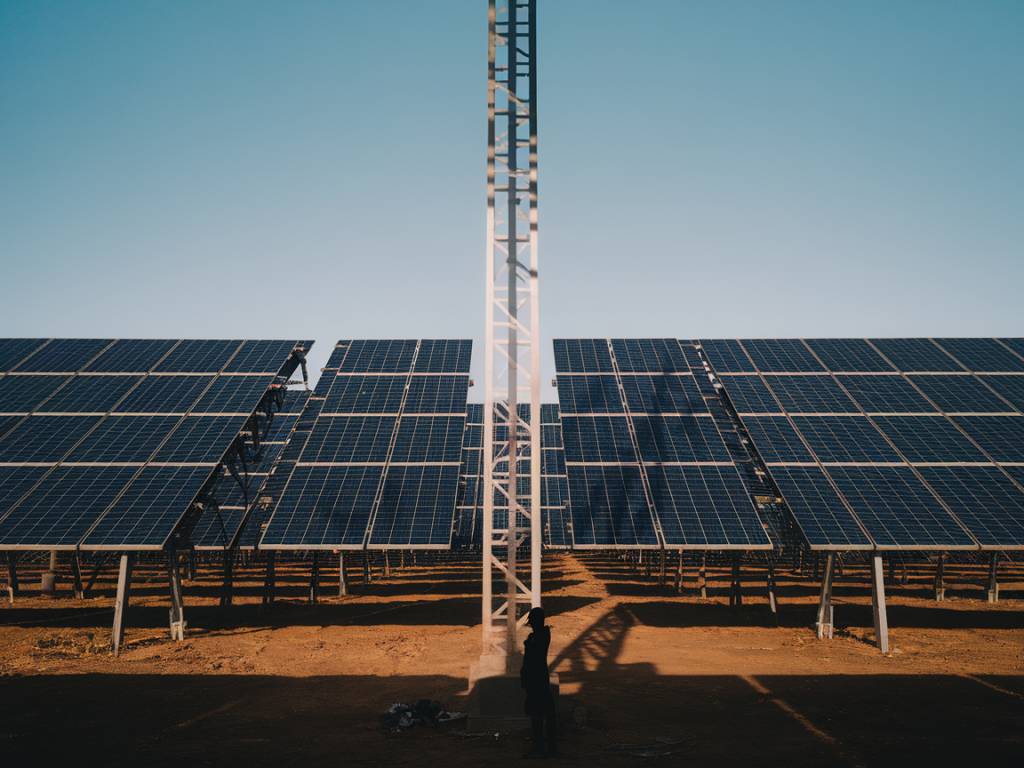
[(648, 676)]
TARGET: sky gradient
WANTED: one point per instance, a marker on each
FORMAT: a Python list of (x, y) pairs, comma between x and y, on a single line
[(316, 169)]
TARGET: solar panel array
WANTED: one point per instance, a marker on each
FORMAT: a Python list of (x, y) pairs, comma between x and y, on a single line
[(105, 444), (910, 443), (650, 453), (469, 506), (379, 467)]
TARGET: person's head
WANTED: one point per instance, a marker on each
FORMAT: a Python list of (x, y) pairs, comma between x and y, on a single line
[(535, 618)]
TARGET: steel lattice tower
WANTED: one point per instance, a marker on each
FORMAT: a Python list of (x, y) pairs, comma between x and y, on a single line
[(512, 334)]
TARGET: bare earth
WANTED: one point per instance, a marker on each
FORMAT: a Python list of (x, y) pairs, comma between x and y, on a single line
[(648, 677)]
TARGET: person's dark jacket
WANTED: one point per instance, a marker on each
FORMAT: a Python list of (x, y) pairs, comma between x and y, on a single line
[(534, 675)]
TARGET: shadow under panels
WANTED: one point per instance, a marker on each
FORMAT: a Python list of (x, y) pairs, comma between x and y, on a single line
[(886, 444), (105, 444)]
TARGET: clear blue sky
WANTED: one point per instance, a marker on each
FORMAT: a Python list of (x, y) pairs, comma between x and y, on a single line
[(245, 169)]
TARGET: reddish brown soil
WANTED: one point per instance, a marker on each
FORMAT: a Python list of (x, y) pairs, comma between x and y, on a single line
[(305, 685)]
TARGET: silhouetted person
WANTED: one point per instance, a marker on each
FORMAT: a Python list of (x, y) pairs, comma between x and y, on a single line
[(535, 678)]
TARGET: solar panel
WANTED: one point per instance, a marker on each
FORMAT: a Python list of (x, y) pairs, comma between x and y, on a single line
[(63, 355), (885, 394), (199, 356), (1002, 437), (983, 355), (818, 510), (597, 439), (263, 356), (15, 482), (608, 508), (582, 356), (960, 394), (164, 394), (88, 394), (233, 394), (1016, 345), (429, 439), (200, 439), (848, 355), (437, 394), (845, 439), (365, 394), (749, 394), (727, 356), (416, 507), (13, 351), (1010, 388), (443, 356), (916, 355), (810, 394), (43, 438), (21, 394), (673, 439), (589, 394), (349, 439), (149, 509), (57, 514), (124, 439), (985, 501), (649, 356), (131, 356), (659, 394), (776, 440), (784, 355), (897, 509), (377, 356), (928, 439)]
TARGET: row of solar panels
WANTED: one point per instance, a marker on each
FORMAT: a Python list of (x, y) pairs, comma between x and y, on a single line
[(110, 444)]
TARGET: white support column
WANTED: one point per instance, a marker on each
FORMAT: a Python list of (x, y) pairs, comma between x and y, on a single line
[(824, 624), (878, 604), (512, 333)]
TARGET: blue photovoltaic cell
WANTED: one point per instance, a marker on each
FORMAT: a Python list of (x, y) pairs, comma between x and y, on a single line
[(589, 394), (781, 355), (548, 413), (429, 439), (983, 355), (164, 394), (845, 439), (149, 510), (649, 356), (886, 394), (324, 506), (749, 394), (437, 394), (928, 439), (916, 355), (89, 394), (365, 394), (15, 482), (124, 438), (347, 439), (985, 501), (131, 356), (897, 509), (261, 356), (443, 356), (21, 394), (810, 394), (662, 394), (679, 439), (376, 355), (1017, 345), (727, 356), (233, 394), (960, 394), (597, 438), (61, 509), (1010, 388), (582, 356), (13, 351), (1002, 437), (44, 438), (280, 427), (776, 440), (416, 508), (848, 355), (609, 509), (551, 435), (200, 439), (199, 356), (705, 507), (63, 355), (819, 511)]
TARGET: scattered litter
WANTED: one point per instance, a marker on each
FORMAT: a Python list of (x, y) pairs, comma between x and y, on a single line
[(662, 746), (400, 717)]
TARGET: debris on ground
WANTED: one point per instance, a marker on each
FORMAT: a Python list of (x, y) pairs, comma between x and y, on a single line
[(400, 717)]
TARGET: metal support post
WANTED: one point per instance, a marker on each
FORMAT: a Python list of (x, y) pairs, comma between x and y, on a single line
[(76, 576), (679, 573), (12, 574), (770, 586), (48, 581), (387, 565), (702, 577), (367, 568), (124, 585), (270, 580), (177, 611), (661, 570), (824, 624), (940, 586), (314, 578), (993, 578), (342, 584), (227, 591), (878, 604), (735, 588)]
